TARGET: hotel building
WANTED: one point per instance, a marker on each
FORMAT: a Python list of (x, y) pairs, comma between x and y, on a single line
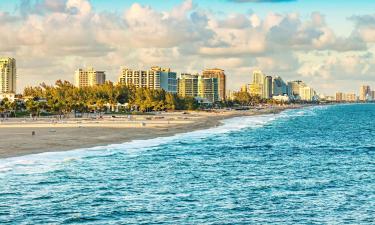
[(198, 86), (89, 77), (8, 75), (306, 93), (280, 88), (220, 75), (154, 78), (294, 88), (340, 97), (364, 93)]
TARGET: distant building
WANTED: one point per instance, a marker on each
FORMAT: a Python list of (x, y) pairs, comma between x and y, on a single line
[(10, 96), (350, 97), (243, 88), (198, 86), (8, 75), (140, 78), (89, 77), (188, 85), (279, 86), (373, 95), (340, 97), (267, 90), (307, 93), (168, 79), (208, 88), (294, 88), (364, 93), (220, 75), (230, 95)]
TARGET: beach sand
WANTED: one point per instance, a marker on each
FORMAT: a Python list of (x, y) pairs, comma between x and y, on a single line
[(17, 139)]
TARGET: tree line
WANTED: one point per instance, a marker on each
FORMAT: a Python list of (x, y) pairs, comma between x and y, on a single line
[(63, 98)]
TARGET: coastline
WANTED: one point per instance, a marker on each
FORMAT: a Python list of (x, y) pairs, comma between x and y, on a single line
[(74, 134)]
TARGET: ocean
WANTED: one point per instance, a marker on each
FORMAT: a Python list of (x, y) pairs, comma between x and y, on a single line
[(314, 165)]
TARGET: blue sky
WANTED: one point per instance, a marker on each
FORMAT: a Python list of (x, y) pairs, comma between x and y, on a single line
[(327, 43)]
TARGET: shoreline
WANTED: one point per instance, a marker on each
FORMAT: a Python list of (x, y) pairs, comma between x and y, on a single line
[(75, 134)]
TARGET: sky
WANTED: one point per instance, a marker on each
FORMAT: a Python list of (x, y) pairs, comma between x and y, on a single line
[(327, 44)]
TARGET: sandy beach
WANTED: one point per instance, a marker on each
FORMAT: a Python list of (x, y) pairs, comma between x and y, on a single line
[(67, 134)]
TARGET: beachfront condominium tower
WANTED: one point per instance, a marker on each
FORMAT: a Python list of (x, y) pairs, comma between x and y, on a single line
[(140, 78), (221, 77), (195, 85), (364, 93), (340, 97), (294, 88), (154, 78), (267, 87), (256, 87), (168, 79), (306, 93), (89, 77), (279, 87), (208, 88), (261, 85), (188, 85), (8, 75)]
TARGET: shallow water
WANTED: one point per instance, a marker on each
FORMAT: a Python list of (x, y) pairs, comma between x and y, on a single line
[(307, 166)]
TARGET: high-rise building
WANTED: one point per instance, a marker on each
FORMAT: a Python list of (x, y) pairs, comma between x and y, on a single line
[(208, 88), (140, 78), (188, 85), (373, 95), (168, 79), (294, 88), (221, 77), (267, 87), (198, 86), (306, 93), (340, 97), (89, 77), (350, 97), (364, 93), (8, 75), (257, 85), (243, 88), (279, 87)]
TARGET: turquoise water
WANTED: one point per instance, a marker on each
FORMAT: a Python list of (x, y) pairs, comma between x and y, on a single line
[(308, 166)]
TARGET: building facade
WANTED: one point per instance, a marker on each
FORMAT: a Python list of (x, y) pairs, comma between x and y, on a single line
[(140, 78), (267, 87), (89, 77), (8, 75), (168, 79), (364, 93), (279, 87), (307, 94), (294, 88), (188, 85), (340, 97), (221, 77)]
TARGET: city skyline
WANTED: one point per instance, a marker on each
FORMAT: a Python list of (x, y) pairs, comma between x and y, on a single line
[(296, 40)]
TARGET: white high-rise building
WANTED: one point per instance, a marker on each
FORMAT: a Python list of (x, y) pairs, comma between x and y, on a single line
[(8, 75)]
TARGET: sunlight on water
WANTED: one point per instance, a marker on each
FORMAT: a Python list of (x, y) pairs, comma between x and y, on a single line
[(311, 165)]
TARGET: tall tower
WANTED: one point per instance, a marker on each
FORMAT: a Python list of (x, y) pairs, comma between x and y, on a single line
[(89, 77), (221, 77), (364, 92), (8, 75)]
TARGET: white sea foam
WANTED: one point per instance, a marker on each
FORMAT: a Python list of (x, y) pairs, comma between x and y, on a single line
[(41, 162)]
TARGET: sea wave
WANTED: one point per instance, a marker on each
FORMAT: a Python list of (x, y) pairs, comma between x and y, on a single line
[(41, 162)]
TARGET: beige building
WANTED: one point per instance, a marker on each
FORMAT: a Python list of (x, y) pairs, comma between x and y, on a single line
[(89, 77), (8, 75), (351, 97), (364, 93), (140, 78), (188, 85), (220, 75), (307, 93), (198, 86), (261, 85), (340, 97)]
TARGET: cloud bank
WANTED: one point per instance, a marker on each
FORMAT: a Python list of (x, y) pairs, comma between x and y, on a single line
[(50, 39)]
